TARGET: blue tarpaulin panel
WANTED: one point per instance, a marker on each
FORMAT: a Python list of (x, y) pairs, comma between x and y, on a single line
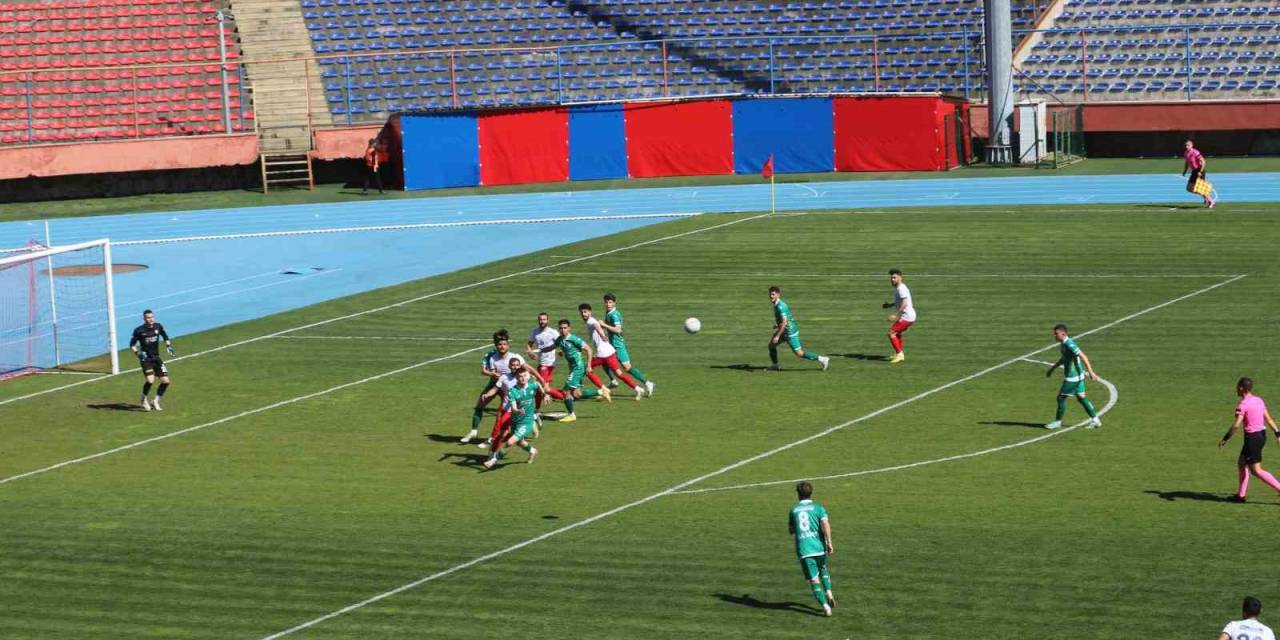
[(597, 143), (798, 132), (440, 151)]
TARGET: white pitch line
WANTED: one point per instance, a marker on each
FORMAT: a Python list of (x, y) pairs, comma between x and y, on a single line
[(274, 405), (1020, 276), (722, 470), (1111, 402), (401, 303)]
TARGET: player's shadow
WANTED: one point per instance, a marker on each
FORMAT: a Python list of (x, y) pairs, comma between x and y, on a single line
[(117, 406), (1169, 206), (1015, 423), (443, 437), (468, 460), (747, 601), (740, 367), (875, 357), (1202, 496)]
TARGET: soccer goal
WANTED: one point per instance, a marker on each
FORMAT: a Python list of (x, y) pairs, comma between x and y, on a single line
[(57, 310)]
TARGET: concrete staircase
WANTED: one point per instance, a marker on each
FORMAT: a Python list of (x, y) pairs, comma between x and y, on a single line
[(285, 88)]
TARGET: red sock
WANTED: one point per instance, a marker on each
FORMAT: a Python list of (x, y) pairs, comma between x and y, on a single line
[(897, 343), (595, 379), (628, 380), (555, 393), (499, 425)]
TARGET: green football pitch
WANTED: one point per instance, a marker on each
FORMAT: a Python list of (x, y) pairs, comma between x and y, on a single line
[(305, 479)]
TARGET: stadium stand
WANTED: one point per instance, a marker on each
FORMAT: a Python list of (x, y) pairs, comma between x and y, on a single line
[(84, 70), (592, 51), (1157, 51)]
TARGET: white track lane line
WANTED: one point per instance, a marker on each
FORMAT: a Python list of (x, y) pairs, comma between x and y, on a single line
[(722, 470), (401, 303), (1111, 402), (242, 414), (414, 338)]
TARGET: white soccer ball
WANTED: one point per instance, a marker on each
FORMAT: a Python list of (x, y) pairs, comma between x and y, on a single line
[(693, 325)]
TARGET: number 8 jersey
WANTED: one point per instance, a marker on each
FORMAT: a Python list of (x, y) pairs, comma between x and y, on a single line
[(806, 524)]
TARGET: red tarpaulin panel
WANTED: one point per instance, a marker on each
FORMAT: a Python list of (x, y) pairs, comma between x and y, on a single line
[(524, 146), (888, 134), (679, 139)]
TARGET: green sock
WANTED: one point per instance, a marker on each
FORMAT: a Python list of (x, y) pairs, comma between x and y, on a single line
[(809, 355), (819, 593), (526, 446), (1088, 407), (476, 418), (590, 393), (635, 373), (568, 402), (1062, 409), (773, 355), (826, 579)]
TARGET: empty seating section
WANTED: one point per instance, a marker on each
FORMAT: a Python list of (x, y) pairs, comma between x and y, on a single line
[(548, 51), (385, 56), (82, 70), (1145, 50)]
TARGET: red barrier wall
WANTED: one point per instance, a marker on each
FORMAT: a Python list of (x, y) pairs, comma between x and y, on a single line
[(889, 134), (131, 155), (524, 146), (1165, 116), (347, 142), (679, 139)]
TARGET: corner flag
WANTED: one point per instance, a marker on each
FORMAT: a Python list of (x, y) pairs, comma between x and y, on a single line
[(767, 173)]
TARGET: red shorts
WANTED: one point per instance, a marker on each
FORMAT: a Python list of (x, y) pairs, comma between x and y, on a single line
[(546, 372), (611, 362), (901, 326)]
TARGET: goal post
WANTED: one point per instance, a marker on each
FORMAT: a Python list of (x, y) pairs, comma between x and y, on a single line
[(57, 310)]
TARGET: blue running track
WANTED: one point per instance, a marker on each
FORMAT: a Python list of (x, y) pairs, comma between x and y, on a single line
[(198, 285)]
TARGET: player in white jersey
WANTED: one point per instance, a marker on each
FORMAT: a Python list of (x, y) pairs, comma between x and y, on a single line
[(1249, 628), (903, 315), (542, 348), (605, 354)]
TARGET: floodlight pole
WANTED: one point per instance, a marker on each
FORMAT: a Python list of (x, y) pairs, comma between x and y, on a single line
[(998, 22), (222, 53)]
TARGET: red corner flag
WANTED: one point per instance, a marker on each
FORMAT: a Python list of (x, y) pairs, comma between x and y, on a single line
[(767, 172)]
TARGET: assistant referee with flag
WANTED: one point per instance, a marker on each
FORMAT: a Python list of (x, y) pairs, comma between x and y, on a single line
[(1193, 160)]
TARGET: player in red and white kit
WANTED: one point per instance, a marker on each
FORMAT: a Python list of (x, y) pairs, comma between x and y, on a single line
[(904, 314), (542, 349), (605, 355), (502, 425)]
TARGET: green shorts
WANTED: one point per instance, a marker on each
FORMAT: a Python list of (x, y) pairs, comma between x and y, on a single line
[(794, 341), (1072, 388), (523, 430), (575, 378), (623, 356), (813, 566)]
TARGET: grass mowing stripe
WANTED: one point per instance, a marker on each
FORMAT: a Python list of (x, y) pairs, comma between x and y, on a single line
[(400, 303), (1028, 276), (725, 469), (1111, 402), (274, 405)]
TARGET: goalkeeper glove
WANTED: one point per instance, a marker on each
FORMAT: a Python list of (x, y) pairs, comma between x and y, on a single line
[(142, 355), (169, 348)]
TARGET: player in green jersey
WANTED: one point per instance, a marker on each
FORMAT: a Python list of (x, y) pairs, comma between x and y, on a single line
[(522, 403), (809, 524), (572, 347), (1075, 369), (613, 326), (785, 326)]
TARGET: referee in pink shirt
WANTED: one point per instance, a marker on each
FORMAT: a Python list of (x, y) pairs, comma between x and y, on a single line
[(1194, 160), (1252, 414)]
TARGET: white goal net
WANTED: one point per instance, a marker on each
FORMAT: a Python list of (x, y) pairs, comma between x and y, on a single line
[(57, 310)]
